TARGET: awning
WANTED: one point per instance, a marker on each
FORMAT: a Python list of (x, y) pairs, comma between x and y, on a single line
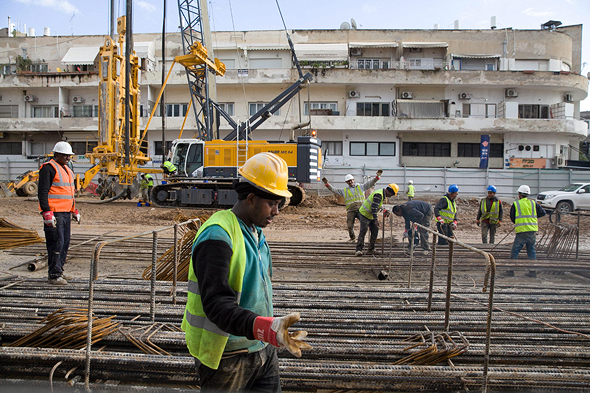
[(321, 51), (265, 47), (373, 45), (425, 45), (471, 56), (81, 55), (420, 101), (144, 50)]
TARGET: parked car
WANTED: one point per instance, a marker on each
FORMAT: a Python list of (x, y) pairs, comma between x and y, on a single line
[(576, 196)]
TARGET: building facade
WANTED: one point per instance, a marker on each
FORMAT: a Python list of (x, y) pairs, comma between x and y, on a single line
[(379, 98)]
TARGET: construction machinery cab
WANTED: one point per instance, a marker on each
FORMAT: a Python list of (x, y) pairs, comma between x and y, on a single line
[(187, 156)]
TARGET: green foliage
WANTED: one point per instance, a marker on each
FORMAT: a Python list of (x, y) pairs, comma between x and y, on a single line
[(22, 64)]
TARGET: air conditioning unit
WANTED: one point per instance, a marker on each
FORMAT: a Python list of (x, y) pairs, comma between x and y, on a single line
[(464, 96), (77, 99), (407, 95), (30, 98), (559, 161), (511, 93), (354, 94), (568, 98), (356, 52)]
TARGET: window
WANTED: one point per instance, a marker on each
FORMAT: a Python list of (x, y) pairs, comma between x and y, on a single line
[(81, 148), (11, 148), (490, 110), (479, 110), (44, 111), (256, 106), (472, 150), (372, 148), (5, 69), (374, 64), (425, 149), (38, 68), (228, 107), (158, 147), (175, 110), (82, 67), (265, 63), (85, 111), (8, 111), (372, 109), (320, 105), (230, 64), (332, 148), (533, 111)]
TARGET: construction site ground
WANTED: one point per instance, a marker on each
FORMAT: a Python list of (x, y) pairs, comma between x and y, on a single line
[(358, 310)]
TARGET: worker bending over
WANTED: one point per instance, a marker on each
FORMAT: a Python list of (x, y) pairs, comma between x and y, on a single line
[(446, 214), (169, 168), (354, 196), (146, 185), (524, 214), (489, 215), (369, 219), (228, 320), (57, 205), (410, 191), (419, 212)]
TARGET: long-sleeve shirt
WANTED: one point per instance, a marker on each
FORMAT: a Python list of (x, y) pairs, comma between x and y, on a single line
[(364, 187), (46, 175), (540, 212), (442, 204), (489, 202), (414, 211)]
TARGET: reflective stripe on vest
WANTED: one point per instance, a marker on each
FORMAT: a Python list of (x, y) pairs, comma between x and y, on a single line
[(62, 190), (168, 165), (491, 215), (351, 197), (525, 219), (365, 209), (448, 214), (411, 190), (204, 339)]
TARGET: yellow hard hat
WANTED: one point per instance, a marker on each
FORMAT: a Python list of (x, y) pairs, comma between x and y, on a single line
[(394, 187), (267, 171)]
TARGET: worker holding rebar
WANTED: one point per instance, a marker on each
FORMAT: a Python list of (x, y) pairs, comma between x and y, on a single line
[(489, 215), (228, 318), (57, 206), (419, 212), (446, 214), (354, 196), (524, 213)]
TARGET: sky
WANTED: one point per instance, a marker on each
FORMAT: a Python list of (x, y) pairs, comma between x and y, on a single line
[(86, 17)]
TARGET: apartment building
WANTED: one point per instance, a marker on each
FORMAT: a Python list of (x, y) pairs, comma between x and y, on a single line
[(380, 98)]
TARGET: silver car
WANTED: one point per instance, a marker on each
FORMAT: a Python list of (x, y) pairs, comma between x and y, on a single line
[(576, 196)]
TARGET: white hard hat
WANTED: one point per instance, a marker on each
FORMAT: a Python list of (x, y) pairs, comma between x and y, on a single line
[(348, 177), (63, 148), (411, 182), (524, 189)]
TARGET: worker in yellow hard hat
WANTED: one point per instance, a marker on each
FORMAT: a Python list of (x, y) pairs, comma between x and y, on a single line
[(369, 210), (228, 319)]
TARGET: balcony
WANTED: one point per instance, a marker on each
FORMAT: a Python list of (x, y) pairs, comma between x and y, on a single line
[(50, 79)]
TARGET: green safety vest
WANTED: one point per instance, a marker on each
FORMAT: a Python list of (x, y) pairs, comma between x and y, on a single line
[(525, 219), (365, 209), (150, 180), (411, 190), (170, 166), (448, 214), (204, 339), (355, 196), (494, 213)]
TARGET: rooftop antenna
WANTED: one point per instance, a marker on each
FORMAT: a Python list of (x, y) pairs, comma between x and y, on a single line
[(71, 24), (345, 26), (353, 23)]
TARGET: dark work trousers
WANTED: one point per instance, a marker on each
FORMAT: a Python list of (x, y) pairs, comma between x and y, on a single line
[(351, 215), (57, 241), (251, 372), (446, 230), (485, 227), (371, 225)]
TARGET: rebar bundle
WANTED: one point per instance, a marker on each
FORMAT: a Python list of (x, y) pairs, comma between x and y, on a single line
[(437, 348), (559, 241), (12, 236)]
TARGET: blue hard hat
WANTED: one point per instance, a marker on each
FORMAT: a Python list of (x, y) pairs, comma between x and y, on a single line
[(453, 188), (492, 189)]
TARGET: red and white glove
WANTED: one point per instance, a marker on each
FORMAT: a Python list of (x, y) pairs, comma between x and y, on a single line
[(454, 225), (49, 219), (76, 216), (275, 332), (325, 181), (379, 173), (406, 233), (439, 219)]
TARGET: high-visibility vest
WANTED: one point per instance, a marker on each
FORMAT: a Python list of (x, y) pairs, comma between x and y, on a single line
[(525, 218), (169, 166), (448, 214), (492, 215), (204, 339), (365, 209), (150, 180), (61, 193), (411, 190), (353, 195)]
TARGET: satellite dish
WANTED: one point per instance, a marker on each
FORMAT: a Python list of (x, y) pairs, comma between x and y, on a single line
[(353, 23), (344, 26)]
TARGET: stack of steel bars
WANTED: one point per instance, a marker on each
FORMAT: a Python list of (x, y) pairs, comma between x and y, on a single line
[(12, 236)]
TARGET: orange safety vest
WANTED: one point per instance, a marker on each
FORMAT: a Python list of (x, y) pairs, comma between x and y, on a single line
[(61, 193)]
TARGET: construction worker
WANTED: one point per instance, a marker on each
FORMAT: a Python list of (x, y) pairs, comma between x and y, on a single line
[(354, 196), (489, 215), (419, 212), (57, 206), (228, 320), (524, 213), (411, 190), (369, 210), (169, 168), (146, 185), (446, 214)]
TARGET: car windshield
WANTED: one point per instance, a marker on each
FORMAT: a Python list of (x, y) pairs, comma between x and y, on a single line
[(571, 188)]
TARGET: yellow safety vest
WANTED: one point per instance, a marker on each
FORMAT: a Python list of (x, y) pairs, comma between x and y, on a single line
[(491, 215), (365, 209), (351, 197), (525, 219), (411, 190), (448, 214)]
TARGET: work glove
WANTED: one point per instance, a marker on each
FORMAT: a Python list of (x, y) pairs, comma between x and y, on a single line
[(499, 223), (49, 219), (325, 181), (76, 216), (379, 173), (275, 332), (406, 233), (386, 213), (439, 219), (477, 222), (454, 225)]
